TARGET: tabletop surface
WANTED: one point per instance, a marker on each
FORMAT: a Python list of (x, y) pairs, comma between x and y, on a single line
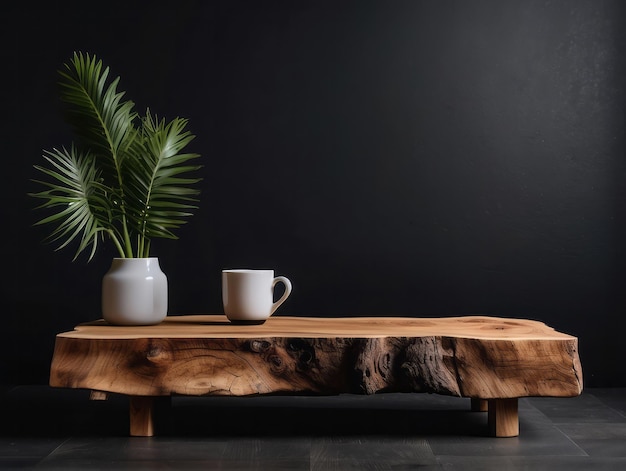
[(218, 326)]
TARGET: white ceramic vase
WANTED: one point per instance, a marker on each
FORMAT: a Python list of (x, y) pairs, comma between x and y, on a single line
[(134, 292)]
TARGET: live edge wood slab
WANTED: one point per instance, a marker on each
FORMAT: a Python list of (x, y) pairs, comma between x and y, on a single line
[(494, 361)]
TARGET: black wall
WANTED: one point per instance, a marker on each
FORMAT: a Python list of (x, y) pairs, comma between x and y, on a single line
[(406, 158)]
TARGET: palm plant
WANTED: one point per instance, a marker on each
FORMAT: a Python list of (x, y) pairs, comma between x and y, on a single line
[(125, 178)]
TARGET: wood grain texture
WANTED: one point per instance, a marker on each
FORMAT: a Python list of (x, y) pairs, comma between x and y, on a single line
[(470, 356)]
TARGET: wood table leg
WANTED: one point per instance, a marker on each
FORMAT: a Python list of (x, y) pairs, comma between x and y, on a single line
[(479, 405), (142, 416), (503, 417)]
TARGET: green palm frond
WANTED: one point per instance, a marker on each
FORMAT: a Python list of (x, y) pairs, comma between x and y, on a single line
[(104, 124), (126, 178), (71, 189), (165, 197), (100, 117)]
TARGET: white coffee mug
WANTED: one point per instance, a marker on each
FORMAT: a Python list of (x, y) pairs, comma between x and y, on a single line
[(248, 295)]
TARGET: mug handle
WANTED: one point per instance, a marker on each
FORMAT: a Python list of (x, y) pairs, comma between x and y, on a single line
[(287, 292)]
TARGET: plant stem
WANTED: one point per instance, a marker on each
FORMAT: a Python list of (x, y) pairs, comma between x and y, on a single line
[(127, 243), (116, 241), (140, 245)]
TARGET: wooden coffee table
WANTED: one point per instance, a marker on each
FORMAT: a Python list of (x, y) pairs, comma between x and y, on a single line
[(492, 360)]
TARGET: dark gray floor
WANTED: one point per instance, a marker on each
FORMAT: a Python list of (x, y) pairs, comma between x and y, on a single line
[(61, 429)]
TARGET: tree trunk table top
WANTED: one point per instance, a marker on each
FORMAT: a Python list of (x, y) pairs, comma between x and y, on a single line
[(468, 356)]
